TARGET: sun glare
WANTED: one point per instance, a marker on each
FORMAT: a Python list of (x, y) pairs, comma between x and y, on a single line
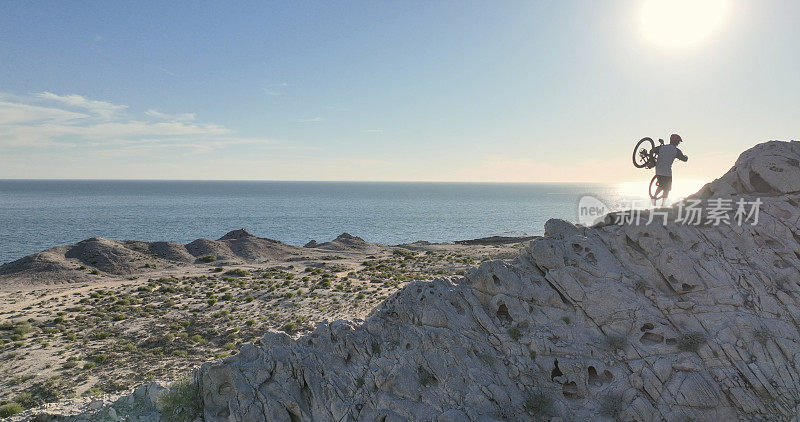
[(681, 23), (680, 189)]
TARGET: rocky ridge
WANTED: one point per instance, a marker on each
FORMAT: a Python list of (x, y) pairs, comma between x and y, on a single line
[(612, 322), (620, 321)]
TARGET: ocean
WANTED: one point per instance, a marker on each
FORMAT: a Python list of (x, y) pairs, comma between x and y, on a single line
[(39, 214)]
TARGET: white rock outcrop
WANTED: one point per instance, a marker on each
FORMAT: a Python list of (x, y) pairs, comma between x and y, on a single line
[(140, 404), (644, 322)]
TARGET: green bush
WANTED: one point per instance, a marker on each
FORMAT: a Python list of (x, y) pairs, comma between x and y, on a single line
[(26, 400), (208, 258), (9, 409), (514, 333), (22, 328), (238, 272), (98, 358), (404, 253), (94, 391), (181, 402), (47, 391)]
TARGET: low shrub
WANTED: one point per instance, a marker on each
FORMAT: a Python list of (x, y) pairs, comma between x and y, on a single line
[(181, 402), (10, 409), (691, 341)]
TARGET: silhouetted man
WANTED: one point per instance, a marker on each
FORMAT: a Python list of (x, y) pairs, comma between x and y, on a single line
[(666, 155)]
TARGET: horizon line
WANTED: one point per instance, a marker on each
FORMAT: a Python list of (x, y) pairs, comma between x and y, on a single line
[(303, 181)]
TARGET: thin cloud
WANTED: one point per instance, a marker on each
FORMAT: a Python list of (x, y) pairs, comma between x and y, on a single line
[(377, 131), (313, 119), (12, 113), (102, 127), (167, 71), (164, 116), (275, 90), (103, 109)]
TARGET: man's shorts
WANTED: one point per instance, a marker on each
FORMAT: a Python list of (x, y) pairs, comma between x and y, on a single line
[(664, 182)]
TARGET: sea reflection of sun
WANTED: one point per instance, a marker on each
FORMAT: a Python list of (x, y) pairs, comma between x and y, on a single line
[(638, 191)]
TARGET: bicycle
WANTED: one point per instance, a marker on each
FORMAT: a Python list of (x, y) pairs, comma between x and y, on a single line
[(644, 157)]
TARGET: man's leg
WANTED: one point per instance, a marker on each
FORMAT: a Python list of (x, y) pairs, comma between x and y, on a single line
[(664, 199), (659, 189)]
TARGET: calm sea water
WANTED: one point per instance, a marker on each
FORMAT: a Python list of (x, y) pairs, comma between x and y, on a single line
[(36, 215)]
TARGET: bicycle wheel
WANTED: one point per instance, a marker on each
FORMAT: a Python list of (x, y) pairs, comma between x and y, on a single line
[(641, 153), (654, 188)]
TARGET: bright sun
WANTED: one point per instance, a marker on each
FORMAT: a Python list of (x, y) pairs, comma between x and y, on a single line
[(681, 23)]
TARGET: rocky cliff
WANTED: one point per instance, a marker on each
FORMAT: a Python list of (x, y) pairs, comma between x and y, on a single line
[(661, 321)]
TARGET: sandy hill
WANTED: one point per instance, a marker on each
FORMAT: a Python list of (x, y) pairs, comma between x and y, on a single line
[(345, 242), (77, 262)]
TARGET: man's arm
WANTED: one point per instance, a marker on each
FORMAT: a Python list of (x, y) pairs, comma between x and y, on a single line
[(681, 157)]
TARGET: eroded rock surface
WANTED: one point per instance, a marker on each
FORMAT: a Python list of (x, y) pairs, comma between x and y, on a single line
[(633, 322)]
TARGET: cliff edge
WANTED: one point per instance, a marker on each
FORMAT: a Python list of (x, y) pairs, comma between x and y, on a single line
[(660, 321)]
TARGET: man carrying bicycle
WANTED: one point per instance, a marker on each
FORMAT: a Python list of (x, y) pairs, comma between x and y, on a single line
[(666, 155)]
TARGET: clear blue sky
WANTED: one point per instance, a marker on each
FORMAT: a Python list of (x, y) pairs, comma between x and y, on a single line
[(383, 90)]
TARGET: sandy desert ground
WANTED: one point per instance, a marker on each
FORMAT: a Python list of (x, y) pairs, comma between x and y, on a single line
[(99, 317)]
